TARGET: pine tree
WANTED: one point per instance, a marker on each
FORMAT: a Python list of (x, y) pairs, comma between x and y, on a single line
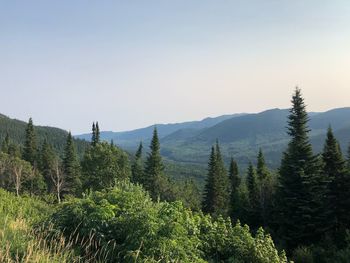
[(93, 134), (265, 189), (97, 134), (6, 144), (338, 195), (154, 167), (30, 148), (71, 168), (235, 182), (209, 193), (47, 161), (137, 167), (217, 188), (261, 169), (301, 185), (253, 197)]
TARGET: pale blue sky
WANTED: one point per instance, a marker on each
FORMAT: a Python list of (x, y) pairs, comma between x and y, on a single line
[(130, 63)]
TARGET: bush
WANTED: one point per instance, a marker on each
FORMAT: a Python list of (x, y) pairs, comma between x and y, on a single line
[(122, 224), (20, 241)]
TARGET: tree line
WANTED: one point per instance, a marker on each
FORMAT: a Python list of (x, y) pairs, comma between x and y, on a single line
[(306, 202)]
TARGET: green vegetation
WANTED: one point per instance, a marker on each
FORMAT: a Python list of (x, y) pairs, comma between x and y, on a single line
[(55, 207)]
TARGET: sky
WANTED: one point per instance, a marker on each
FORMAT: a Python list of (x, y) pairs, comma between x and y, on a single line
[(129, 64)]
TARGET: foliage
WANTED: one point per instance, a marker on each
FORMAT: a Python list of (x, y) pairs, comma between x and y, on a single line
[(301, 186), (103, 165), (217, 188), (126, 219), (20, 241), (154, 168), (71, 168)]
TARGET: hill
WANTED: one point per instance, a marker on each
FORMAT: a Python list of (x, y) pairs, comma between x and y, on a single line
[(186, 146), (130, 139), (16, 130)]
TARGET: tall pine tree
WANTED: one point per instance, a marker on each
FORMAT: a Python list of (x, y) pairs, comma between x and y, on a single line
[(253, 211), (93, 134), (338, 194), (154, 167), (47, 161), (301, 185), (217, 189), (97, 134), (137, 167), (265, 189), (235, 182), (71, 168), (30, 147)]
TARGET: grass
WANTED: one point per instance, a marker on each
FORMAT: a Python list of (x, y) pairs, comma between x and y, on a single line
[(21, 241)]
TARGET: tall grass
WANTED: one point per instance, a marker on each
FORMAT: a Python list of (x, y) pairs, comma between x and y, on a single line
[(20, 241), (25, 235)]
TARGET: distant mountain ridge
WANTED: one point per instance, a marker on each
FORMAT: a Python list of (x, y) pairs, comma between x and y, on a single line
[(240, 136), (129, 138)]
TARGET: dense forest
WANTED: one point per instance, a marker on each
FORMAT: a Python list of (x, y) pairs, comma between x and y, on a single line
[(67, 200)]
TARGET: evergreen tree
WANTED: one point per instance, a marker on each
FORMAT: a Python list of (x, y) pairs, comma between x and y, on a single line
[(93, 134), (30, 148), (253, 197), (47, 162), (154, 167), (261, 169), (209, 192), (97, 134), (217, 188), (301, 185), (5, 144), (235, 181), (137, 167), (338, 195), (265, 189), (71, 168)]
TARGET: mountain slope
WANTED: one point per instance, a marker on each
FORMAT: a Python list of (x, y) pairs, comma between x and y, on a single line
[(130, 139), (57, 137)]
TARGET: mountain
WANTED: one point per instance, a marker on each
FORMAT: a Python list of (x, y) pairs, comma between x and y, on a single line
[(188, 144), (57, 137), (130, 139)]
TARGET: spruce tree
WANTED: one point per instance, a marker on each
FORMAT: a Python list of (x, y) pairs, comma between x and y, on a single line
[(235, 182), (93, 134), (137, 167), (209, 192), (265, 189), (338, 194), (97, 134), (6, 144), (71, 168), (154, 167), (217, 189), (253, 197), (47, 161), (261, 169), (30, 148), (301, 185)]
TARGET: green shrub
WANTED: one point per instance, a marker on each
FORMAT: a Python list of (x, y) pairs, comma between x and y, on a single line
[(122, 224)]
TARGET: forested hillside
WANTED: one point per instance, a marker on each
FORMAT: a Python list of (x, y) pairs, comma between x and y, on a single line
[(15, 129), (107, 207)]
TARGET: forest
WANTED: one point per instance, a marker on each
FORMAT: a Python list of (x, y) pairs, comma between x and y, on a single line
[(69, 200)]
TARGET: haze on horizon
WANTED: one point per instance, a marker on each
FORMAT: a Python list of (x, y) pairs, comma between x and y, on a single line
[(130, 64)]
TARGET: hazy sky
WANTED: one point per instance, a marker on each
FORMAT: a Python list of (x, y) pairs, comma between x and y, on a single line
[(131, 63)]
